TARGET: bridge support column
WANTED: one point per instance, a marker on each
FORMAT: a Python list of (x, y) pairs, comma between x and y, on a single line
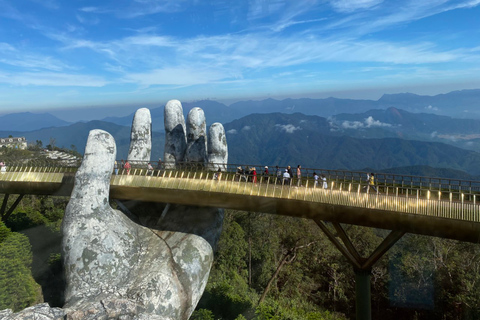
[(5, 215), (363, 298), (362, 266)]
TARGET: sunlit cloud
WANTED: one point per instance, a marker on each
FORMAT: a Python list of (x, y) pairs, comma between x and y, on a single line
[(353, 5), (9, 55), (367, 123), (288, 128), (174, 76), (254, 46), (89, 9), (51, 79), (148, 7)]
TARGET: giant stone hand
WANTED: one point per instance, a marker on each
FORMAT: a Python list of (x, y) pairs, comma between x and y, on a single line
[(151, 261)]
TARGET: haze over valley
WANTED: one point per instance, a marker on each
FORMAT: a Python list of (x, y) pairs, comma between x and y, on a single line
[(318, 133)]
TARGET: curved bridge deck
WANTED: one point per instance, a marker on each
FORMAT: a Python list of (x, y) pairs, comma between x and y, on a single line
[(449, 210)]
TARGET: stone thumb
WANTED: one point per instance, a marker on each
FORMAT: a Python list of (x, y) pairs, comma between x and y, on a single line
[(92, 180)]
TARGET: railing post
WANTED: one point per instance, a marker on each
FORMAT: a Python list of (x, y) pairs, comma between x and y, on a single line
[(418, 199), (451, 200)]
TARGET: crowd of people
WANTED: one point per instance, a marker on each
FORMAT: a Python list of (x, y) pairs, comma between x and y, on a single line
[(288, 177), (285, 176)]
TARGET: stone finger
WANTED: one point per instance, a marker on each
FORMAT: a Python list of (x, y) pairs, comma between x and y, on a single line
[(196, 136), (217, 147), (141, 138), (92, 180), (175, 134)]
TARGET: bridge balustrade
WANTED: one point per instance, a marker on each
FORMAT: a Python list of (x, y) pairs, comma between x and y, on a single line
[(449, 198), (407, 194)]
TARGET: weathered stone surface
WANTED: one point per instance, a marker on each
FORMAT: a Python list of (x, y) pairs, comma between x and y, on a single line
[(37, 312), (217, 147), (175, 134), (196, 136), (107, 256), (141, 137), (153, 264)]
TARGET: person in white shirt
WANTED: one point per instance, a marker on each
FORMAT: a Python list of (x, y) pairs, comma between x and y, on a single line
[(286, 177)]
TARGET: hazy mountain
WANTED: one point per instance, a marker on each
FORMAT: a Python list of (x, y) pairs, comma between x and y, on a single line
[(77, 134), (380, 123), (458, 104), (280, 139), (27, 121), (428, 171), (320, 107), (463, 104), (312, 141)]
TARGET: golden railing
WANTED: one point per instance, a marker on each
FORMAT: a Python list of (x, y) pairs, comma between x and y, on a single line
[(448, 202)]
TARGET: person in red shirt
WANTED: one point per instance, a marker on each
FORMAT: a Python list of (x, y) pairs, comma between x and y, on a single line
[(127, 167)]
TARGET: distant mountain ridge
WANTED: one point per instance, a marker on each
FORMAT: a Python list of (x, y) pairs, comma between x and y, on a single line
[(280, 139), (27, 121), (464, 104), (394, 122), (292, 139)]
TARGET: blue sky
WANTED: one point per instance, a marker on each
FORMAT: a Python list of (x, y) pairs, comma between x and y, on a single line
[(78, 53)]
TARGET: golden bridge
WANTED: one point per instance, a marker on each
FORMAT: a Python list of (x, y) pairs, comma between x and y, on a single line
[(431, 206), (439, 207)]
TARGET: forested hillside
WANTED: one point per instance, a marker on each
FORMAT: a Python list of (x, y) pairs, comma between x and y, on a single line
[(281, 139), (268, 267)]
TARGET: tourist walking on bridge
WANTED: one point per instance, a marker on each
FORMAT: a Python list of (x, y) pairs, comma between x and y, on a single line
[(324, 182), (150, 169), (299, 176), (286, 177), (127, 166), (371, 183), (290, 172), (278, 172)]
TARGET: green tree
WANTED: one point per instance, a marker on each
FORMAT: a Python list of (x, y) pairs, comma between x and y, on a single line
[(19, 289)]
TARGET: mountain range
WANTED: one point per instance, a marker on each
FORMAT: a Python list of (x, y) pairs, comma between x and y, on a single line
[(328, 133)]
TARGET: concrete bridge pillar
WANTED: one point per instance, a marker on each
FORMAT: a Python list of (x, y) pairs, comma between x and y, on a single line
[(362, 266), (363, 298)]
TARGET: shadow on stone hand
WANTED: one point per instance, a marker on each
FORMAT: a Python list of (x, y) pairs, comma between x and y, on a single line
[(155, 265)]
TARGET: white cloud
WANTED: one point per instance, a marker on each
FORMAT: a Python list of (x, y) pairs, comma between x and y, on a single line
[(232, 131), (434, 134), (370, 122), (147, 7), (367, 123), (23, 59), (89, 9), (353, 5), (352, 125), (288, 128), (431, 108), (174, 76), (384, 16), (51, 79)]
